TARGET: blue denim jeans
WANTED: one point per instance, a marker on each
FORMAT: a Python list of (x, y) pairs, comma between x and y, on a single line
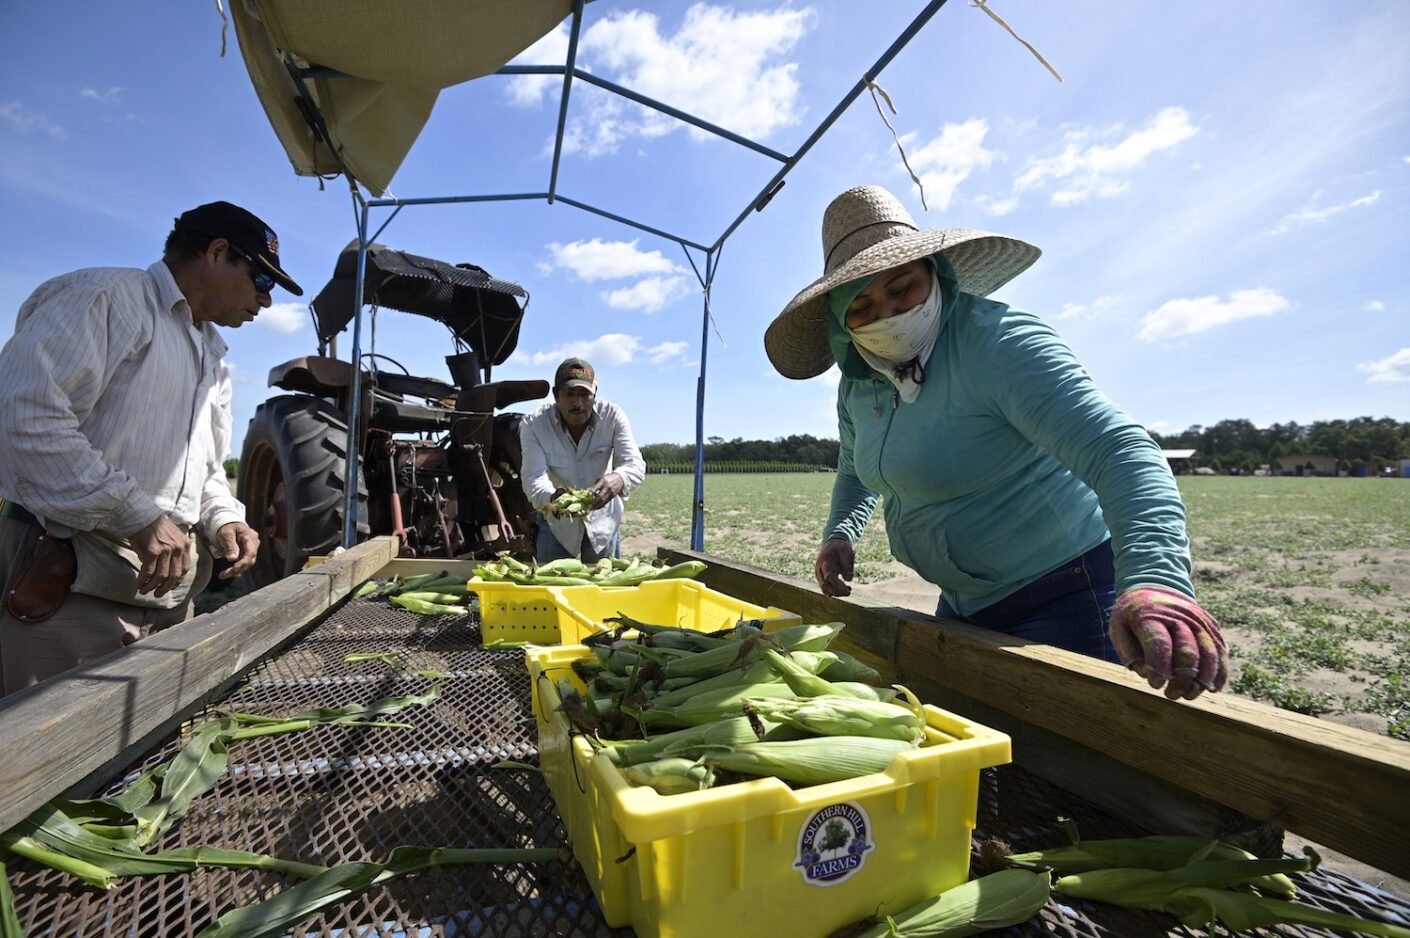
[(1069, 607), (547, 547)]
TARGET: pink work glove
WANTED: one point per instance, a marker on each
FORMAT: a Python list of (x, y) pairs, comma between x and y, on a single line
[(1164, 636)]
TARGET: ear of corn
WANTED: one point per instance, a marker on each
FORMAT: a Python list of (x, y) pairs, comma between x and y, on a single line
[(998, 900), (729, 732), (843, 716), (810, 761), (671, 775), (848, 668), (1150, 889), (708, 706), (1198, 907), (421, 607), (798, 678), (1147, 853), (808, 637)]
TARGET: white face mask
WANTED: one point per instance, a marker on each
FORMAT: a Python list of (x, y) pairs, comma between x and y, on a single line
[(892, 343)]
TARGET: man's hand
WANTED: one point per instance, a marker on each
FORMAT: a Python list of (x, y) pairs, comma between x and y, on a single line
[(605, 489), (240, 545), (165, 554), (834, 567)]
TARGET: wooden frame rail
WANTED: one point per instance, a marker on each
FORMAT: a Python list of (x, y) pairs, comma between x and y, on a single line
[(1335, 785), (96, 717)]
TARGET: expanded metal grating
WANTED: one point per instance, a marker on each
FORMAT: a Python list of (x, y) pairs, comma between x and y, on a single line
[(338, 794)]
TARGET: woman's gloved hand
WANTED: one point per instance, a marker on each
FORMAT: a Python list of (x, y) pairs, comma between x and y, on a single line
[(1164, 636), (833, 568)]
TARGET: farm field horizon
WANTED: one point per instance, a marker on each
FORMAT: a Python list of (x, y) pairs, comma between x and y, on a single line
[(1309, 577)]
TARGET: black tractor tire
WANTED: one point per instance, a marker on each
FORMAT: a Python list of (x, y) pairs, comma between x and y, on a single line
[(293, 473)]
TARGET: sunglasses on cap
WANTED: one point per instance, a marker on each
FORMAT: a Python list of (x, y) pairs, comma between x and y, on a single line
[(264, 283)]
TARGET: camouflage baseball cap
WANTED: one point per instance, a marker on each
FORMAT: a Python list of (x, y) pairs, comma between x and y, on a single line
[(574, 373)]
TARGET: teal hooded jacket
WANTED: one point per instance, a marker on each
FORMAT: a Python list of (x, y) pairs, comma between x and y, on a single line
[(1009, 463)]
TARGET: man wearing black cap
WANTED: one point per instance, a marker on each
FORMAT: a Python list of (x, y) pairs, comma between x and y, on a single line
[(578, 441), (114, 425)]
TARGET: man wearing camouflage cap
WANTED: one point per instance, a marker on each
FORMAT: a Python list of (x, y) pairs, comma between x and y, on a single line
[(579, 441)]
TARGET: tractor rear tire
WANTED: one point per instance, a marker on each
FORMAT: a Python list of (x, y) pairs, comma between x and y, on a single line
[(293, 473)]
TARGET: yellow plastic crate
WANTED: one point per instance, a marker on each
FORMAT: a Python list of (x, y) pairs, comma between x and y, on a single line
[(744, 860), (558, 615)]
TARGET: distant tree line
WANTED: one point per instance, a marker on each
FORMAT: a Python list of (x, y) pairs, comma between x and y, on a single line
[(1369, 442), (797, 453)]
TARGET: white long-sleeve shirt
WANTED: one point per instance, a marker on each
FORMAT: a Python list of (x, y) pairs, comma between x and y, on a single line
[(115, 407), (552, 461)]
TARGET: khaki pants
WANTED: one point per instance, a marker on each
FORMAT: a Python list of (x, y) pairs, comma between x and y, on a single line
[(83, 629)]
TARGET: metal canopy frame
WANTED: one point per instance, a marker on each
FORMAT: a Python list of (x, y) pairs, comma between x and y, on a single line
[(363, 206)]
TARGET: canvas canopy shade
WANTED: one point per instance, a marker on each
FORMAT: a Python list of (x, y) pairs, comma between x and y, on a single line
[(482, 311), (393, 59)]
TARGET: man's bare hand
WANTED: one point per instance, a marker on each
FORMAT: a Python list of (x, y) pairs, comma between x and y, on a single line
[(605, 489), (165, 554), (239, 543)]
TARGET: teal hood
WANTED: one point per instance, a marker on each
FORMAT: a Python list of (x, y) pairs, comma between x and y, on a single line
[(844, 352)]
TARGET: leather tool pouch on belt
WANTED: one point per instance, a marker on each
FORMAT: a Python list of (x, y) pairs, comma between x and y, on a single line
[(40, 578)]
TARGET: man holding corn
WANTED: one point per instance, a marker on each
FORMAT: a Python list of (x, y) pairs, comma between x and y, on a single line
[(577, 441), (114, 426)]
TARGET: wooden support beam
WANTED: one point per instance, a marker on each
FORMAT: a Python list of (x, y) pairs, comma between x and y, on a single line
[(1332, 784), (61, 731)]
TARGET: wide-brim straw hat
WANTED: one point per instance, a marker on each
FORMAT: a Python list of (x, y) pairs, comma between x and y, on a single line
[(865, 231)]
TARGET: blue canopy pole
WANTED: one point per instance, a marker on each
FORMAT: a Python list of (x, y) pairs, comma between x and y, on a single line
[(697, 518), (355, 383), (563, 99)]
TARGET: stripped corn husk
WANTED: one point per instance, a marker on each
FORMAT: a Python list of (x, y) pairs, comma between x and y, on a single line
[(998, 900)]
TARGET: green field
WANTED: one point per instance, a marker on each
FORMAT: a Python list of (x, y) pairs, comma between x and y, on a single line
[(1310, 577)]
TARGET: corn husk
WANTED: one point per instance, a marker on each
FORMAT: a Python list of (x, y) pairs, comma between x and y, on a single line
[(1151, 889), (998, 900), (708, 706), (1147, 853), (843, 716), (809, 761), (670, 775)]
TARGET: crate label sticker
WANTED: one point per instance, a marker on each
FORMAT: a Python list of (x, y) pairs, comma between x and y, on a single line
[(832, 844)]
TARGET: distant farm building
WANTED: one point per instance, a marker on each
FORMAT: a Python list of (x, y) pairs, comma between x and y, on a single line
[(1305, 464), (1181, 460)]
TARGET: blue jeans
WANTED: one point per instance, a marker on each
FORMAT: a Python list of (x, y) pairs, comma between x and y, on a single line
[(1069, 607), (547, 547)]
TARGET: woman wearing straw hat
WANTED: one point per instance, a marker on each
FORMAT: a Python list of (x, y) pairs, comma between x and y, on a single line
[(1008, 478)]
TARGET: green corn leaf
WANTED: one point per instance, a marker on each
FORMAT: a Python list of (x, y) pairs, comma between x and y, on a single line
[(390, 657), (303, 901), (10, 926), (31, 849), (1199, 907), (191, 773)]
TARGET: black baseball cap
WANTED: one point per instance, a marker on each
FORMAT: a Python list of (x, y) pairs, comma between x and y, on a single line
[(244, 231)]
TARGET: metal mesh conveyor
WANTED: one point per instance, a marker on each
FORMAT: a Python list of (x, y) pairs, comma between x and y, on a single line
[(334, 794)]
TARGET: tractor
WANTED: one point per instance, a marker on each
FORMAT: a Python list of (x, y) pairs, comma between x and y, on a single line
[(439, 462)]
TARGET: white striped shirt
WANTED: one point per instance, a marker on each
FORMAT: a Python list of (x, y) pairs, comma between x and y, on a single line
[(114, 407), (552, 460)]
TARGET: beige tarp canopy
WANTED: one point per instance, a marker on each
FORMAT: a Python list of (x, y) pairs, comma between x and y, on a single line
[(398, 56)]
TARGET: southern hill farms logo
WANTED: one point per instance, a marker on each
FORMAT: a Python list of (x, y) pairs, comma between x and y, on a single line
[(832, 845)]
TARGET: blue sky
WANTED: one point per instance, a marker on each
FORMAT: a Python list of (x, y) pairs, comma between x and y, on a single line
[(1220, 190)]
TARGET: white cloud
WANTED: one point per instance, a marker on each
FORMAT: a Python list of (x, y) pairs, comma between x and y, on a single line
[(832, 377), (1098, 307), (238, 375), (25, 120), (1102, 171), (1393, 368), (1158, 426), (1375, 306), (947, 160), (663, 353), (648, 296), (614, 348), (721, 65), (607, 260), (284, 318), (552, 49), (112, 96), (1313, 214), (1188, 316)]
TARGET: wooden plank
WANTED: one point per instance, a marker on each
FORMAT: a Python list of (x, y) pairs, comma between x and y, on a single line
[(1332, 784), (59, 731)]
